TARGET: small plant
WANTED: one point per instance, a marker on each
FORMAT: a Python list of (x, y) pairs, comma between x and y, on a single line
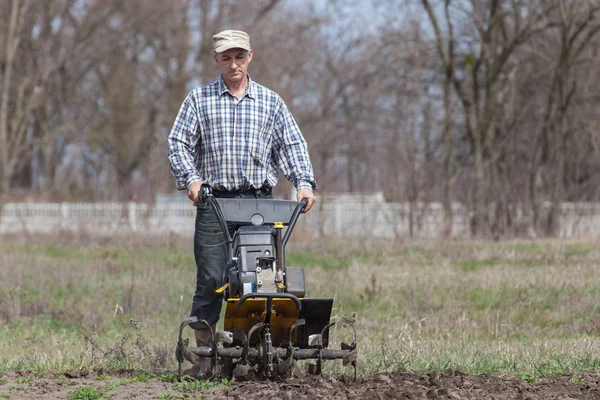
[(3, 380), (194, 386), (227, 382), (121, 382), (170, 378), (197, 386), (111, 386), (87, 393), (529, 378), (142, 378), (577, 379), (4, 396), (101, 377), (24, 379), (164, 396), (125, 381)]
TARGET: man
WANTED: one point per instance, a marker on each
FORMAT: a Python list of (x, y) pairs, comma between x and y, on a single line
[(234, 135)]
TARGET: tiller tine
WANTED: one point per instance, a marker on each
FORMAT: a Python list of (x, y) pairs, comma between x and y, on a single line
[(288, 366), (348, 354), (271, 348), (183, 350)]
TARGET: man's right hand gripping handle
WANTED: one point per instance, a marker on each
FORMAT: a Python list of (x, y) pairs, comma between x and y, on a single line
[(193, 191)]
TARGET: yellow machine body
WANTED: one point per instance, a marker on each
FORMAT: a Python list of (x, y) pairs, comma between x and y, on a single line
[(253, 311)]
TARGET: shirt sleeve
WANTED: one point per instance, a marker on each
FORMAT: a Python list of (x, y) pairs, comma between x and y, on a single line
[(291, 152), (183, 145)]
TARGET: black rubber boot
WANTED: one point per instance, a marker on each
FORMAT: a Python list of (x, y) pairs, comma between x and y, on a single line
[(204, 338)]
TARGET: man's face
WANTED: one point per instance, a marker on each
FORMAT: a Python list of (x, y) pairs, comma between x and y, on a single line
[(233, 63)]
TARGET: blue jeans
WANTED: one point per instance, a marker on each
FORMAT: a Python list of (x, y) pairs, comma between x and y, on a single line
[(210, 252)]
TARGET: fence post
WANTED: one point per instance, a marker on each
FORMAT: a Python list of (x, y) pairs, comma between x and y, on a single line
[(64, 215), (132, 216), (338, 224)]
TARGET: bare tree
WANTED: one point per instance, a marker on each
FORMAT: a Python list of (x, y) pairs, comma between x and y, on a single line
[(17, 99), (574, 26), (500, 29), (49, 49)]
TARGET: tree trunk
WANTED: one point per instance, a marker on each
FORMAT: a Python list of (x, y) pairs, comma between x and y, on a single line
[(11, 44), (481, 190), (447, 199)]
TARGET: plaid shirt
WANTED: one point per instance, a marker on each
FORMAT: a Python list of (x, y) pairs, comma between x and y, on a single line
[(236, 144)]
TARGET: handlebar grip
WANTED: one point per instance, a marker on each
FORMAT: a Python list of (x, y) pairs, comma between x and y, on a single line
[(205, 191)]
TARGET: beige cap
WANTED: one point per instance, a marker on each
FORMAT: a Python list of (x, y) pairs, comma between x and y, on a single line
[(231, 40)]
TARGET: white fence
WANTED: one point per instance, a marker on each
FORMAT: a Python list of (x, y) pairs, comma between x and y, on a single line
[(346, 216)]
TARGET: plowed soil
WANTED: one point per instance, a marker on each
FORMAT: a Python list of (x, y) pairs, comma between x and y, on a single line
[(402, 385)]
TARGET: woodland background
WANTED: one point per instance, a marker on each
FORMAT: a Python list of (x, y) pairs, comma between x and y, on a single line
[(491, 104)]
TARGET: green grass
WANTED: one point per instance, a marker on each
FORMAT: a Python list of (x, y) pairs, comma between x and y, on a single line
[(473, 265), (170, 378), (117, 255), (4, 396), (3, 380), (22, 380), (526, 308), (579, 250), (87, 393), (193, 387), (110, 386), (308, 259), (142, 378)]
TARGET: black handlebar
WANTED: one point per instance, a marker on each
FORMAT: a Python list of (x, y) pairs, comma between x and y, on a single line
[(293, 220), (205, 192)]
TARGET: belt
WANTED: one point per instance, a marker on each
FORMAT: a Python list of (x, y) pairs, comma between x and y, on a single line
[(252, 193)]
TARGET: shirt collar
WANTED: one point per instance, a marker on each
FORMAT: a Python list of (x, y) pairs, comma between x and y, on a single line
[(250, 90)]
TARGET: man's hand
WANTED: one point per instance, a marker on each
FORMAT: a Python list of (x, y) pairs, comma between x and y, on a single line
[(194, 191), (308, 195)]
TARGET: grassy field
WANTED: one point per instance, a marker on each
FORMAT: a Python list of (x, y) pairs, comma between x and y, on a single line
[(525, 308)]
